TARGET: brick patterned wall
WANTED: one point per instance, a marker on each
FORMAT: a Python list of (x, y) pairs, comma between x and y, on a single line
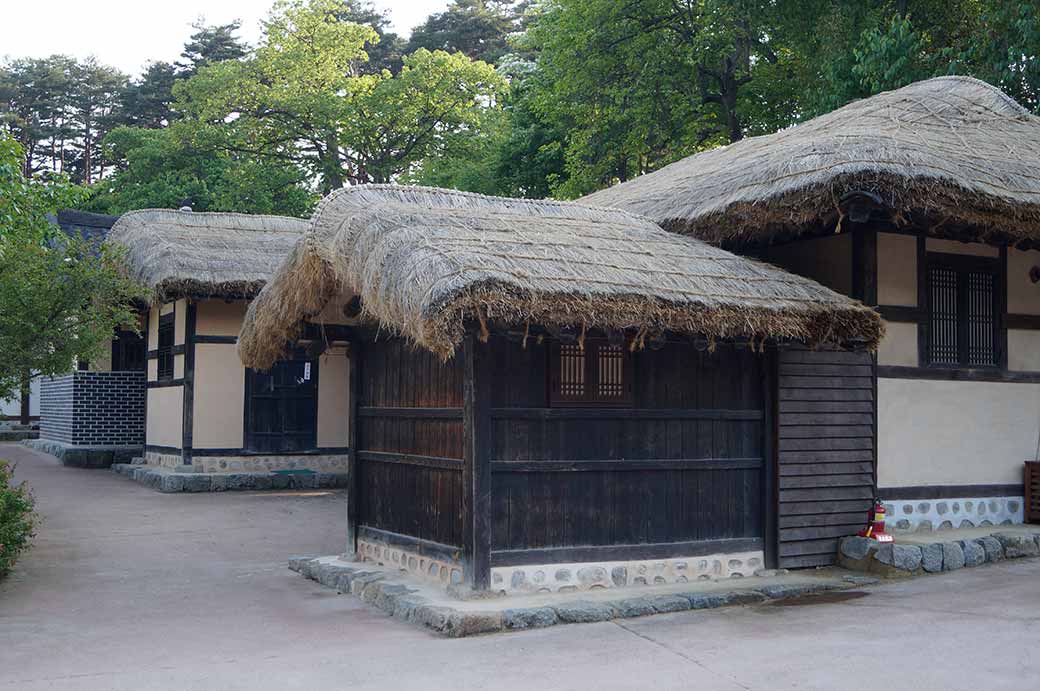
[(56, 408), (94, 408)]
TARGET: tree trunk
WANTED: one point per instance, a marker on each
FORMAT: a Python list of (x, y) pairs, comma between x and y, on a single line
[(333, 177), (24, 412)]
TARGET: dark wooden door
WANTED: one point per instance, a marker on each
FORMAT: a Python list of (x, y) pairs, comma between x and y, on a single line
[(282, 407), (826, 439)]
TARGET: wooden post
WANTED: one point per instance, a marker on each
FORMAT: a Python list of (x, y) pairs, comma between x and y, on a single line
[(188, 403), (476, 492), (770, 462), (864, 266), (353, 370)]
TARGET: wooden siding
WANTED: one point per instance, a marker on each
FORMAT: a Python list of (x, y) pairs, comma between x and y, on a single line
[(410, 442), (825, 451), (683, 465)]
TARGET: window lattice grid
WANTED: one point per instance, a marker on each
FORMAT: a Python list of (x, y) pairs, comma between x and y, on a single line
[(572, 371), (981, 319), (942, 293), (610, 360)]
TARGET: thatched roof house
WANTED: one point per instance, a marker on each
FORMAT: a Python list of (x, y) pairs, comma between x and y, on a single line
[(425, 261), (936, 155), (200, 254)]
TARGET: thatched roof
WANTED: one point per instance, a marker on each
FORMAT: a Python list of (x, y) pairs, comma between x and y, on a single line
[(200, 254), (426, 261), (943, 152)]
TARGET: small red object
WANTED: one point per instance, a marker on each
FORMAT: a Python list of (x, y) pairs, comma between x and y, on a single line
[(876, 524)]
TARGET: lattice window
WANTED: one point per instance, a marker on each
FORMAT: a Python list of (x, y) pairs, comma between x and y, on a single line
[(598, 374), (165, 349), (282, 407), (963, 301)]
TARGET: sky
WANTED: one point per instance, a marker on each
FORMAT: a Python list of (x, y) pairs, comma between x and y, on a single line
[(128, 33)]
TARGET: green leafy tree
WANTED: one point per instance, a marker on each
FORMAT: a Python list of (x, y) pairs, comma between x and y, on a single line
[(385, 52), (192, 161), (60, 298), (210, 44), (476, 28), (146, 101), (303, 97), (17, 518), (1006, 49)]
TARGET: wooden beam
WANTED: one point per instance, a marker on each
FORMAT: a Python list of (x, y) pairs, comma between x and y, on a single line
[(948, 492), (864, 265), (770, 499), (662, 550), (188, 407), (476, 492), (952, 374), (353, 372)]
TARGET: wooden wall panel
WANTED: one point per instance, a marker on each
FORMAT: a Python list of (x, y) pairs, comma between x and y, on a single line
[(825, 451), (409, 441), (683, 465)]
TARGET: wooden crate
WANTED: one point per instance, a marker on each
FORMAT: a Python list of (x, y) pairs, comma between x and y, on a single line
[(1032, 492)]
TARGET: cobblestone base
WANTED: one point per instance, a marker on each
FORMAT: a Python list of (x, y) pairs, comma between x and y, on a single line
[(166, 480), (409, 599), (84, 456), (551, 578), (436, 570), (895, 560), (331, 463), (921, 515)]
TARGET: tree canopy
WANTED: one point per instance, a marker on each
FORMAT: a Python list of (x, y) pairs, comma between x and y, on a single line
[(515, 97), (60, 298)]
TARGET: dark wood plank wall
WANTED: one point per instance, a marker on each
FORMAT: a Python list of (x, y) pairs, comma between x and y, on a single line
[(684, 465), (410, 442), (825, 450)]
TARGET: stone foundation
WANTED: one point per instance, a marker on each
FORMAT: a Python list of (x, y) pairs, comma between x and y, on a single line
[(902, 560), (331, 463), (321, 463), (184, 480), (78, 456), (441, 571), (553, 578), (921, 515)]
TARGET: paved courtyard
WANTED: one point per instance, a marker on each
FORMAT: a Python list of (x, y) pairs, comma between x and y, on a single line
[(127, 588)]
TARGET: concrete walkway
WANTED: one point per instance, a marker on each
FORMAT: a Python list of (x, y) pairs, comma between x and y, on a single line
[(130, 589)]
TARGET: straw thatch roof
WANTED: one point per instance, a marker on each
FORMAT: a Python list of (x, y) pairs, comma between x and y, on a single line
[(199, 254), (941, 153), (426, 261)]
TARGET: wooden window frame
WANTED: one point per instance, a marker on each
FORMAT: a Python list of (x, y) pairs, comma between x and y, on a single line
[(961, 265), (165, 353), (590, 398), (250, 439)]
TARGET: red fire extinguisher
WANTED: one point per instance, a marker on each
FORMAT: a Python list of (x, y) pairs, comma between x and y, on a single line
[(876, 523)]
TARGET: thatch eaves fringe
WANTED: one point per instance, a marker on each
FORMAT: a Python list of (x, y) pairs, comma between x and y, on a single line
[(204, 254), (952, 151), (426, 262)]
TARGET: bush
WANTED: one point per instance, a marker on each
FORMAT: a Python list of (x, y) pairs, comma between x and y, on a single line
[(17, 518)]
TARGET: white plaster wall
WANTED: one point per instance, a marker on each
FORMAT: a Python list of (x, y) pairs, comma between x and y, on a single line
[(897, 269), (217, 415), (1023, 350), (957, 247), (13, 407), (165, 416), (955, 432), (899, 346), (1023, 294), (220, 318), (332, 398)]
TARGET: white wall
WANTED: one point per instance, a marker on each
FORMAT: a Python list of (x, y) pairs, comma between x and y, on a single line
[(13, 407), (955, 432)]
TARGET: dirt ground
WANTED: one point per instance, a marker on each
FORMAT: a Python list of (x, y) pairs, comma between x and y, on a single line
[(127, 588)]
